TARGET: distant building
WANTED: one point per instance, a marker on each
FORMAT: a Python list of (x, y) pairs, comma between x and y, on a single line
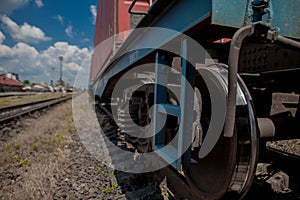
[(9, 82), (12, 76), (44, 84), (40, 87)]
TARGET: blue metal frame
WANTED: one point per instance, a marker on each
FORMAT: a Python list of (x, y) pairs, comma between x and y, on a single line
[(169, 109), (186, 105), (180, 155), (160, 97)]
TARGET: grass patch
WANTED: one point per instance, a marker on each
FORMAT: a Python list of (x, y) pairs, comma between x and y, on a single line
[(165, 194), (108, 190), (6, 101), (59, 139), (7, 149), (71, 127), (17, 146), (34, 147), (20, 162), (100, 172)]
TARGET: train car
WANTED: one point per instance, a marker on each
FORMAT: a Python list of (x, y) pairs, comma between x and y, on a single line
[(113, 24), (222, 72)]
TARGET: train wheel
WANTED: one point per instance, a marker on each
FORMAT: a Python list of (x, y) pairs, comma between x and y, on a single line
[(228, 169)]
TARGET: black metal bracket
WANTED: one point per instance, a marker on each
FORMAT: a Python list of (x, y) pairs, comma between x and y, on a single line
[(134, 12)]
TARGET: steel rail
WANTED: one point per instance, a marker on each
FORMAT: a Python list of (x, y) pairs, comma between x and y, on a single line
[(19, 94), (25, 108), (16, 106), (283, 154)]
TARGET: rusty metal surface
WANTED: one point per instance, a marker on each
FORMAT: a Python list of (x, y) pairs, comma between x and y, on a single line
[(285, 15)]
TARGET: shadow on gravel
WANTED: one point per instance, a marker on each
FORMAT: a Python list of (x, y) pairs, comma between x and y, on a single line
[(279, 179), (139, 186), (134, 186)]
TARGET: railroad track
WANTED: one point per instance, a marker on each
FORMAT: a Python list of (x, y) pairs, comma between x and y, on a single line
[(172, 184), (105, 147), (277, 176), (11, 112), (278, 165), (279, 179), (136, 185), (19, 94)]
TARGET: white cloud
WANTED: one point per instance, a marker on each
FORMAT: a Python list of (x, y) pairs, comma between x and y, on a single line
[(69, 31), (36, 65), (2, 37), (26, 33), (93, 10), (20, 59), (39, 3), (6, 52), (85, 40), (7, 6), (59, 18)]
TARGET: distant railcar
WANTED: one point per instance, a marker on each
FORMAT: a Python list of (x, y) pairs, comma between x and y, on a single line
[(113, 18)]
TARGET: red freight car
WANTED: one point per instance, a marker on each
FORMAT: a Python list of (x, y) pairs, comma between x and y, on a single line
[(113, 18)]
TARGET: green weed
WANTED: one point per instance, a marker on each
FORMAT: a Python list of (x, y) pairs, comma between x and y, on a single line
[(21, 162), (59, 139), (100, 171), (17, 146), (108, 190), (34, 147)]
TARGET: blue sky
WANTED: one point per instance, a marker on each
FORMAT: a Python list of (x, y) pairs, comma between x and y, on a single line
[(34, 33)]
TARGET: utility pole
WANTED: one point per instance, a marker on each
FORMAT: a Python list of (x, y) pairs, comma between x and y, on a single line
[(52, 76), (61, 58)]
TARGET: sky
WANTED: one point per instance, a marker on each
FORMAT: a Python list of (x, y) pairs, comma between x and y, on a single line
[(34, 33)]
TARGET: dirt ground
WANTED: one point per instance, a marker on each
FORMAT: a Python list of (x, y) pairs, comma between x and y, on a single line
[(42, 157)]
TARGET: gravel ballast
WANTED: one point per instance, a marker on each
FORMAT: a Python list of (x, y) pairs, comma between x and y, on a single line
[(43, 158)]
